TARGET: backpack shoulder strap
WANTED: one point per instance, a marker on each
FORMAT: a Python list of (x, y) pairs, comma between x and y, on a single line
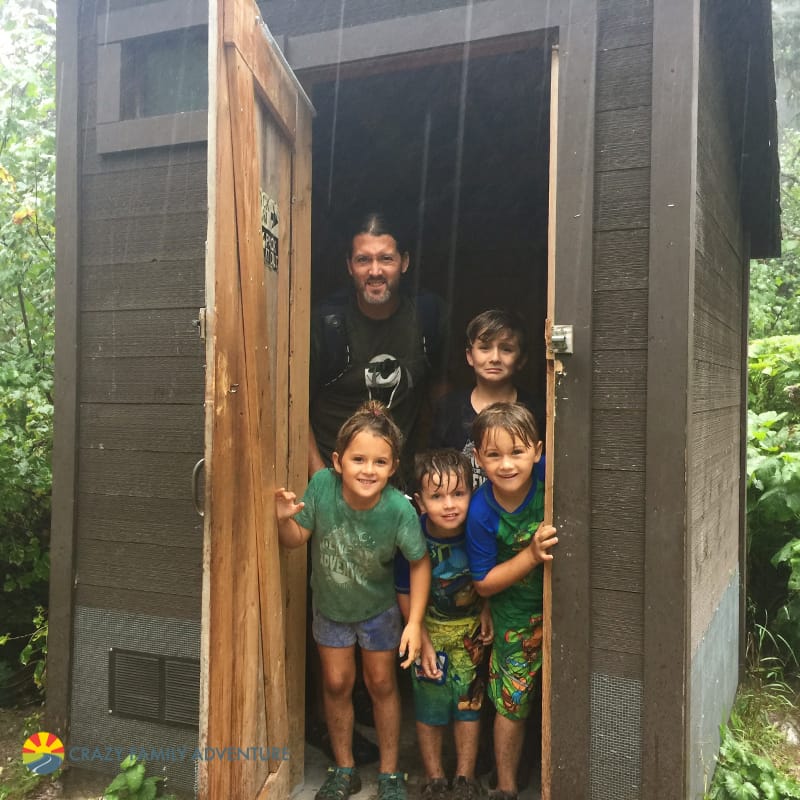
[(334, 342)]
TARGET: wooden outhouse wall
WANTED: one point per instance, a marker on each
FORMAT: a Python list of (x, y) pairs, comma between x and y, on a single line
[(141, 227), (623, 112), (647, 458), (715, 454)]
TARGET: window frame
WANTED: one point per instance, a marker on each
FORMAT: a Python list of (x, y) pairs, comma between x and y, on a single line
[(115, 134)]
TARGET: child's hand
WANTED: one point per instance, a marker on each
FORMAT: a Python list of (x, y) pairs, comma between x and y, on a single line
[(544, 538), (428, 662), (487, 626), (410, 644), (285, 506)]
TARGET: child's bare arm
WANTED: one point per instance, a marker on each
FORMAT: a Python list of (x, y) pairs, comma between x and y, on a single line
[(427, 653), (290, 533), (411, 640), (515, 569)]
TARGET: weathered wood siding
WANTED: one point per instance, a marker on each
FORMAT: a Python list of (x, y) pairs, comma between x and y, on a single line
[(294, 19), (714, 455), (720, 258), (619, 321), (142, 227), (619, 346)]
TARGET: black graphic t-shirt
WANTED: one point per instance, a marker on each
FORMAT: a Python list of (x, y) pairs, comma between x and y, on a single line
[(388, 362)]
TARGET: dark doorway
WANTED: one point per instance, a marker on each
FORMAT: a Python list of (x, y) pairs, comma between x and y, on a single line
[(458, 153)]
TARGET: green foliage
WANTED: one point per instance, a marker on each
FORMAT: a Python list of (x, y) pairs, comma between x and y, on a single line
[(35, 651), (745, 774), (773, 486), (774, 375), (131, 783), (775, 283), (27, 264), (17, 782), (755, 759)]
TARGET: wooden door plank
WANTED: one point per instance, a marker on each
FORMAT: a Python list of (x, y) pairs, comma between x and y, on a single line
[(214, 776), (259, 373), (248, 496), (243, 30), (547, 660), (297, 447)]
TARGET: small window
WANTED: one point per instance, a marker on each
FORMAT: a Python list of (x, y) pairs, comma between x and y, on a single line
[(164, 74), (152, 76)]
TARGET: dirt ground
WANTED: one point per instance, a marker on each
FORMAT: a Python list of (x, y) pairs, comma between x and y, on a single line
[(72, 784)]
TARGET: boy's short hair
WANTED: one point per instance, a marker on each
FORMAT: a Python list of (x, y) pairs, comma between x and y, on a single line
[(436, 464), (513, 418), (488, 325)]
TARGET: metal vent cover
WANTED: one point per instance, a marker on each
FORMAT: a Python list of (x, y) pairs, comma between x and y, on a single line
[(152, 687)]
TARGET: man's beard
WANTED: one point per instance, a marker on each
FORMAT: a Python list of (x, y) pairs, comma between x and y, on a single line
[(377, 300)]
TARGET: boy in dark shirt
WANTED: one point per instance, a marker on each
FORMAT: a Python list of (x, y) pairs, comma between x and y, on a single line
[(496, 351)]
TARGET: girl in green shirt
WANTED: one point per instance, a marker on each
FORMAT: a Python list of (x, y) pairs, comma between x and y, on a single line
[(356, 522)]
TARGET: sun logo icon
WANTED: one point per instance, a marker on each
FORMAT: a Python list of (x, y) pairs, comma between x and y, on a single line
[(43, 753)]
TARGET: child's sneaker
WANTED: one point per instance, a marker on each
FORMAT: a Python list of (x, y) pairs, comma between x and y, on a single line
[(465, 789), (340, 784), (392, 786), (434, 789)]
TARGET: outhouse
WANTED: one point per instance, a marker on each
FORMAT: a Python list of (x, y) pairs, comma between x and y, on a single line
[(606, 167)]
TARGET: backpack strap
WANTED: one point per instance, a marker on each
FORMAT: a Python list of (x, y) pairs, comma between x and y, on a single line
[(334, 344)]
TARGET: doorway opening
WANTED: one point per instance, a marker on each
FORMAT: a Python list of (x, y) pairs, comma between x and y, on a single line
[(454, 145)]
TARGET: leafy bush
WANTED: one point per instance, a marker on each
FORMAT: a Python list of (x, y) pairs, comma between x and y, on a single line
[(27, 265), (744, 774), (774, 375), (131, 783), (773, 485)]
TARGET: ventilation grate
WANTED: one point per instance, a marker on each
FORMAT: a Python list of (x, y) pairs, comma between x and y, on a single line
[(155, 688)]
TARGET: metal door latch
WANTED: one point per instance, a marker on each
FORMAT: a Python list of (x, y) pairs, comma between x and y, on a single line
[(561, 339), (200, 323)]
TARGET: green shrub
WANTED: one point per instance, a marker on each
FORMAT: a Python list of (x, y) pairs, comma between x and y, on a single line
[(131, 783), (773, 486), (744, 774), (27, 264), (774, 375)]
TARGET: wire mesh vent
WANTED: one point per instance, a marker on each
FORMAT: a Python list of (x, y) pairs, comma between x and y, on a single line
[(152, 687), (615, 761)]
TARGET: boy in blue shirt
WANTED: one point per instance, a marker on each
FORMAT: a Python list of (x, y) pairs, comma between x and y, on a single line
[(447, 684), (507, 542)]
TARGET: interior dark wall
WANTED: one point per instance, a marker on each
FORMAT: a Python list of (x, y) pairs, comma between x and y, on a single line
[(468, 188)]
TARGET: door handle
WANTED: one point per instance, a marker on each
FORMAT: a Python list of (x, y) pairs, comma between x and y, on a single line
[(195, 481)]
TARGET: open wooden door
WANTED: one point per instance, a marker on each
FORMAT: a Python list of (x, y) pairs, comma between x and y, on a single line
[(257, 295), (553, 367)]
